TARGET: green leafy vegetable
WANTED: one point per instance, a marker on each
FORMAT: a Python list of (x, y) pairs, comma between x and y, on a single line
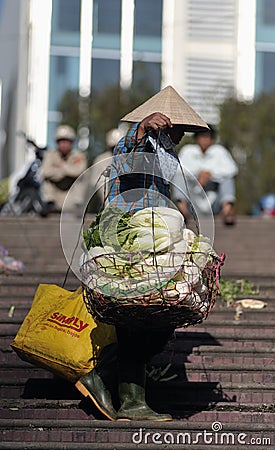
[(104, 230)]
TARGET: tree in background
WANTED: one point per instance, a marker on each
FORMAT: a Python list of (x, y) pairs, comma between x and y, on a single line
[(248, 131), (102, 111)]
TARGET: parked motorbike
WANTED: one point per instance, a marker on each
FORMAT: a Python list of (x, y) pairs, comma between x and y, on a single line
[(27, 196)]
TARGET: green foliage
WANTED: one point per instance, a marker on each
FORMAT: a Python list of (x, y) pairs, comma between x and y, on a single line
[(69, 106), (246, 128), (103, 110), (230, 289)]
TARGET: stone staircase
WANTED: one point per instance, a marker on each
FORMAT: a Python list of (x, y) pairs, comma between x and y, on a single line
[(223, 391)]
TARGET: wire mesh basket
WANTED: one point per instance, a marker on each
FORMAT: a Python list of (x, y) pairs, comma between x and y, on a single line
[(130, 289)]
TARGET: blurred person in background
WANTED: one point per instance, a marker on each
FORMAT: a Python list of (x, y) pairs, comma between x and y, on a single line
[(211, 186), (60, 168), (98, 176), (265, 207)]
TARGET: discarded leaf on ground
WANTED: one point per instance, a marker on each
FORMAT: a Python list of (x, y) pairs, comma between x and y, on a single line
[(251, 303)]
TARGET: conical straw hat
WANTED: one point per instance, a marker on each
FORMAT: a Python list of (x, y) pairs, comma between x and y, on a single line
[(170, 103)]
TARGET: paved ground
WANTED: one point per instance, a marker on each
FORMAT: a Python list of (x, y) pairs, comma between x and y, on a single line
[(249, 247), (224, 368)]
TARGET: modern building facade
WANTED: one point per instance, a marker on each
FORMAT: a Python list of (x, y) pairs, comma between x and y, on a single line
[(212, 46), (95, 44), (206, 49), (265, 47)]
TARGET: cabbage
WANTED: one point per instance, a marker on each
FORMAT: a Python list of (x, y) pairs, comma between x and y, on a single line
[(202, 251), (188, 236), (134, 253), (158, 218)]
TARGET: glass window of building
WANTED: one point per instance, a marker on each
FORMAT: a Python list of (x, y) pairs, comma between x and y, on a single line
[(268, 12), (105, 73), (268, 71), (107, 16), (64, 74), (67, 15), (148, 18)]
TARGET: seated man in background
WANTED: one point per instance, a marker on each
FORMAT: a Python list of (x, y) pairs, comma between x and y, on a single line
[(98, 176), (208, 181), (60, 168)]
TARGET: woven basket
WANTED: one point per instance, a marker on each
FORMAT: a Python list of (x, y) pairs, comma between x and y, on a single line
[(152, 300)]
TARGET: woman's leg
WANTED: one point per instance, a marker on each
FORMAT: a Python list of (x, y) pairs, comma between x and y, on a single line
[(135, 348)]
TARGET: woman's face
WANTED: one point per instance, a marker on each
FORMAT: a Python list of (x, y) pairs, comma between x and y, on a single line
[(176, 133)]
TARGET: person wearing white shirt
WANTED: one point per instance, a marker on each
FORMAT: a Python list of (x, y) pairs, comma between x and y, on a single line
[(206, 178)]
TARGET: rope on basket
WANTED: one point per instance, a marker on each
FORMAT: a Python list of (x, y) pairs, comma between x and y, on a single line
[(155, 308)]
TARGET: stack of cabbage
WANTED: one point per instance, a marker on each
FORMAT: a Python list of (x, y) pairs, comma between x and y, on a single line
[(148, 256)]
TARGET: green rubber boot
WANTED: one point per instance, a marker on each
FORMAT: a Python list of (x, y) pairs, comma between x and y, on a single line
[(92, 386), (134, 406)]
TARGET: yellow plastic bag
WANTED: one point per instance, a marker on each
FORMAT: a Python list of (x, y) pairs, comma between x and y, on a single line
[(60, 335)]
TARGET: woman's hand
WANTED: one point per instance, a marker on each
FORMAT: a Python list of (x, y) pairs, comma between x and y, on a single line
[(204, 176), (155, 121)]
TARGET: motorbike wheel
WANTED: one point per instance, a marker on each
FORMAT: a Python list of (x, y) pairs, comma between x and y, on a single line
[(32, 202), (25, 202), (18, 207)]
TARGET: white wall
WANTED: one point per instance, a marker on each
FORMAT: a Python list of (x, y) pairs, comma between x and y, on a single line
[(39, 64), (9, 38)]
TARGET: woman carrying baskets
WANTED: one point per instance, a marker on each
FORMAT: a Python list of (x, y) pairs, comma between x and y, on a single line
[(135, 183)]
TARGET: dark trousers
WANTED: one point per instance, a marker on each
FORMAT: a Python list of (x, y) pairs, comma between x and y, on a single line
[(136, 346)]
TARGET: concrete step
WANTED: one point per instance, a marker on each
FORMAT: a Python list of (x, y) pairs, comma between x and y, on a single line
[(208, 349), (266, 286), (200, 344), (230, 332), (52, 388), (225, 367), (118, 435), (23, 247), (260, 357), (116, 446), (24, 301), (229, 325), (22, 305), (247, 316), (30, 288), (198, 389), (188, 340), (221, 334), (36, 276), (72, 409), (263, 284), (192, 371)]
